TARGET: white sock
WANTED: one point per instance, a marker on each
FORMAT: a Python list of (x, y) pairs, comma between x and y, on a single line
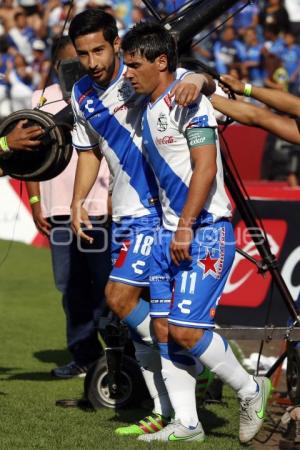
[(216, 354), (148, 358), (179, 372)]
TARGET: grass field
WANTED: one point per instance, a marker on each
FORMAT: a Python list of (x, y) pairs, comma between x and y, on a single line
[(32, 343)]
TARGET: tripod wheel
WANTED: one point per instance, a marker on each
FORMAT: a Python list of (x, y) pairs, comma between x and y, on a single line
[(131, 390), (293, 372)]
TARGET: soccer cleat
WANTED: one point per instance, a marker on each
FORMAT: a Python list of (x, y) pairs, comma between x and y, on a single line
[(252, 411), (203, 381), (175, 431), (148, 425)]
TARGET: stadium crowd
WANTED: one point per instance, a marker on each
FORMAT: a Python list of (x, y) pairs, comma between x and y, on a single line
[(260, 44)]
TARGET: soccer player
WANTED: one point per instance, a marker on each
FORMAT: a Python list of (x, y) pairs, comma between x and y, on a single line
[(80, 270), (193, 253), (108, 117)]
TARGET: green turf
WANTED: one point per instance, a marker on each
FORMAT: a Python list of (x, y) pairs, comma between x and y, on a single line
[(32, 342)]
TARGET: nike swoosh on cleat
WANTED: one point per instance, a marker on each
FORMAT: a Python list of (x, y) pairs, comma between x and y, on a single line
[(260, 414), (173, 437)]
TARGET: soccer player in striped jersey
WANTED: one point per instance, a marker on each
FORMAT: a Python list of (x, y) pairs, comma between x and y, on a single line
[(194, 250), (108, 116)]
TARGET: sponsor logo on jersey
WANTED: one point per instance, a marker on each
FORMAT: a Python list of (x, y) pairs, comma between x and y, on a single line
[(162, 122), (154, 278), (89, 106), (165, 140), (197, 140)]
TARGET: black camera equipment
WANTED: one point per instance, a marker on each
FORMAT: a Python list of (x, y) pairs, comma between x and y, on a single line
[(51, 157), (55, 151)]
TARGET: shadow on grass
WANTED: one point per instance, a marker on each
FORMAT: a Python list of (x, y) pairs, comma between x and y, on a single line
[(210, 420), (6, 370), (58, 357), (31, 376), (80, 403)]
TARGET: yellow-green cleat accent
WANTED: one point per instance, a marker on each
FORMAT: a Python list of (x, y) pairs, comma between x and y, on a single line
[(148, 425)]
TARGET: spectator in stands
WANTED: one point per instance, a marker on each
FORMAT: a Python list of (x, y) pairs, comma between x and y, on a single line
[(5, 57), (274, 13), (24, 22), (247, 17), (137, 15), (291, 61), (253, 57), (167, 6), (21, 80), (273, 42), (276, 75), (55, 14), (40, 64), (293, 9), (33, 10), (22, 36), (7, 12), (228, 50)]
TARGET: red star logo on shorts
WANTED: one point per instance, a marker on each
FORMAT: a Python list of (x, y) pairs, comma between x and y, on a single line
[(208, 265)]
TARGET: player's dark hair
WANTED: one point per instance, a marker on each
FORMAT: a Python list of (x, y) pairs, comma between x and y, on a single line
[(150, 41), (92, 21)]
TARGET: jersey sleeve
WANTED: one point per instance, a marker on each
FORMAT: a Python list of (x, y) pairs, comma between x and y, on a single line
[(197, 115), (83, 137), (181, 73)]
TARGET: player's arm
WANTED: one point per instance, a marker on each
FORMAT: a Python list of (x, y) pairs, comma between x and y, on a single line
[(247, 114), (189, 88), (281, 101), (33, 189), (202, 146), (88, 165)]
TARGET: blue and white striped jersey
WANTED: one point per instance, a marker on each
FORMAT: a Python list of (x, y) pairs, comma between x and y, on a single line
[(164, 125), (111, 119)]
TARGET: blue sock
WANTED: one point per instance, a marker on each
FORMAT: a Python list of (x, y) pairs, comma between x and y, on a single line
[(138, 321)]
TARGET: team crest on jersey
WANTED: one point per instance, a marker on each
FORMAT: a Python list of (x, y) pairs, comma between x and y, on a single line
[(212, 263), (162, 122), (124, 92)]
